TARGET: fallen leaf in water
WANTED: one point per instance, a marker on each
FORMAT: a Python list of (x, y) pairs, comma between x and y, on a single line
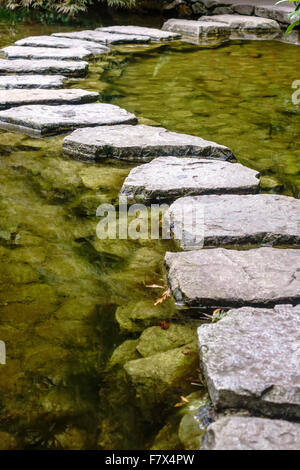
[(165, 295), (185, 400), (155, 286), (164, 325)]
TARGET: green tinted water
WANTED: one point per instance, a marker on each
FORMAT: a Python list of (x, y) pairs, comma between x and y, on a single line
[(60, 286)]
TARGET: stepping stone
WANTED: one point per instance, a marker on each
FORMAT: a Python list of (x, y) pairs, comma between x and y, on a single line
[(12, 98), (250, 360), (275, 12), (168, 178), (103, 38), (31, 81), (230, 278), (245, 433), (45, 67), (140, 143), (38, 53), (243, 22), (230, 219), (62, 43), (154, 34), (196, 28), (40, 121)]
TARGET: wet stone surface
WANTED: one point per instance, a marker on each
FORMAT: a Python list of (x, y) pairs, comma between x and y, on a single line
[(140, 143), (63, 67), (168, 178), (250, 360), (42, 120), (154, 34), (229, 278), (62, 43), (236, 219), (104, 38), (12, 98), (243, 433), (42, 53), (31, 81)]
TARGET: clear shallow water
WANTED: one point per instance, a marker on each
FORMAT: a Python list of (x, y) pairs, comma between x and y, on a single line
[(60, 286)]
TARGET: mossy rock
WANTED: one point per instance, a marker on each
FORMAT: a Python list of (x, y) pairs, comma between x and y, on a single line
[(72, 439), (7, 441), (156, 339), (136, 316), (124, 353), (159, 379)]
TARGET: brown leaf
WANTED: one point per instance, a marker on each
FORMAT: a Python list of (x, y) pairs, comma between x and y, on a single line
[(155, 286), (178, 405), (164, 325), (185, 400), (165, 295)]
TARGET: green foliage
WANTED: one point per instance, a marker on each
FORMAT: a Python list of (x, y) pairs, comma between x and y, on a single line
[(70, 8), (295, 15)]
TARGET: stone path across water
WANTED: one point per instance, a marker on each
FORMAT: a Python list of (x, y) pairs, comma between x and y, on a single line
[(13, 98), (139, 143), (236, 219), (40, 120), (246, 433), (230, 278), (31, 81), (168, 178), (251, 358)]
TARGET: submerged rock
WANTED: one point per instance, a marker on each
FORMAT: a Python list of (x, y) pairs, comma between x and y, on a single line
[(243, 433), (229, 219), (39, 53), (166, 179), (31, 81), (13, 98), (53, 67), (42, 120), (136, 316), (250, 360), (229, 278), (103, 38), (139, 143), (7, 441), (157, 339), (62, 43), (154, 34)]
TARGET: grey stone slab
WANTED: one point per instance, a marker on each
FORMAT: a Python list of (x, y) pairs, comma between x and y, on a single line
[(236, 220), (196, 28), (247, 433), (276, 12), (139, 143), (31, 81), (154, 34), (62, 43), (43, 53), (230, 278), (251, 358), (104, 38), (39, 120), (243, 22), (168, 178), (12, 98), (44, 67)]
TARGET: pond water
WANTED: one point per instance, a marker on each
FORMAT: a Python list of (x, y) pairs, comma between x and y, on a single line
[(60, 287)]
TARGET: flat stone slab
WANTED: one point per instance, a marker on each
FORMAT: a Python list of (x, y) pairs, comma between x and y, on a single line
[(139, 143), (276, 12), (152, 33), (243, 22), (31, 81), (42, 120), (12, 98), (44, 67), (39, 53), (230, 278), (250, 359), (104, 38), (196, 28), (62, 43), (168, 178), (237, 219), (243, 433)]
